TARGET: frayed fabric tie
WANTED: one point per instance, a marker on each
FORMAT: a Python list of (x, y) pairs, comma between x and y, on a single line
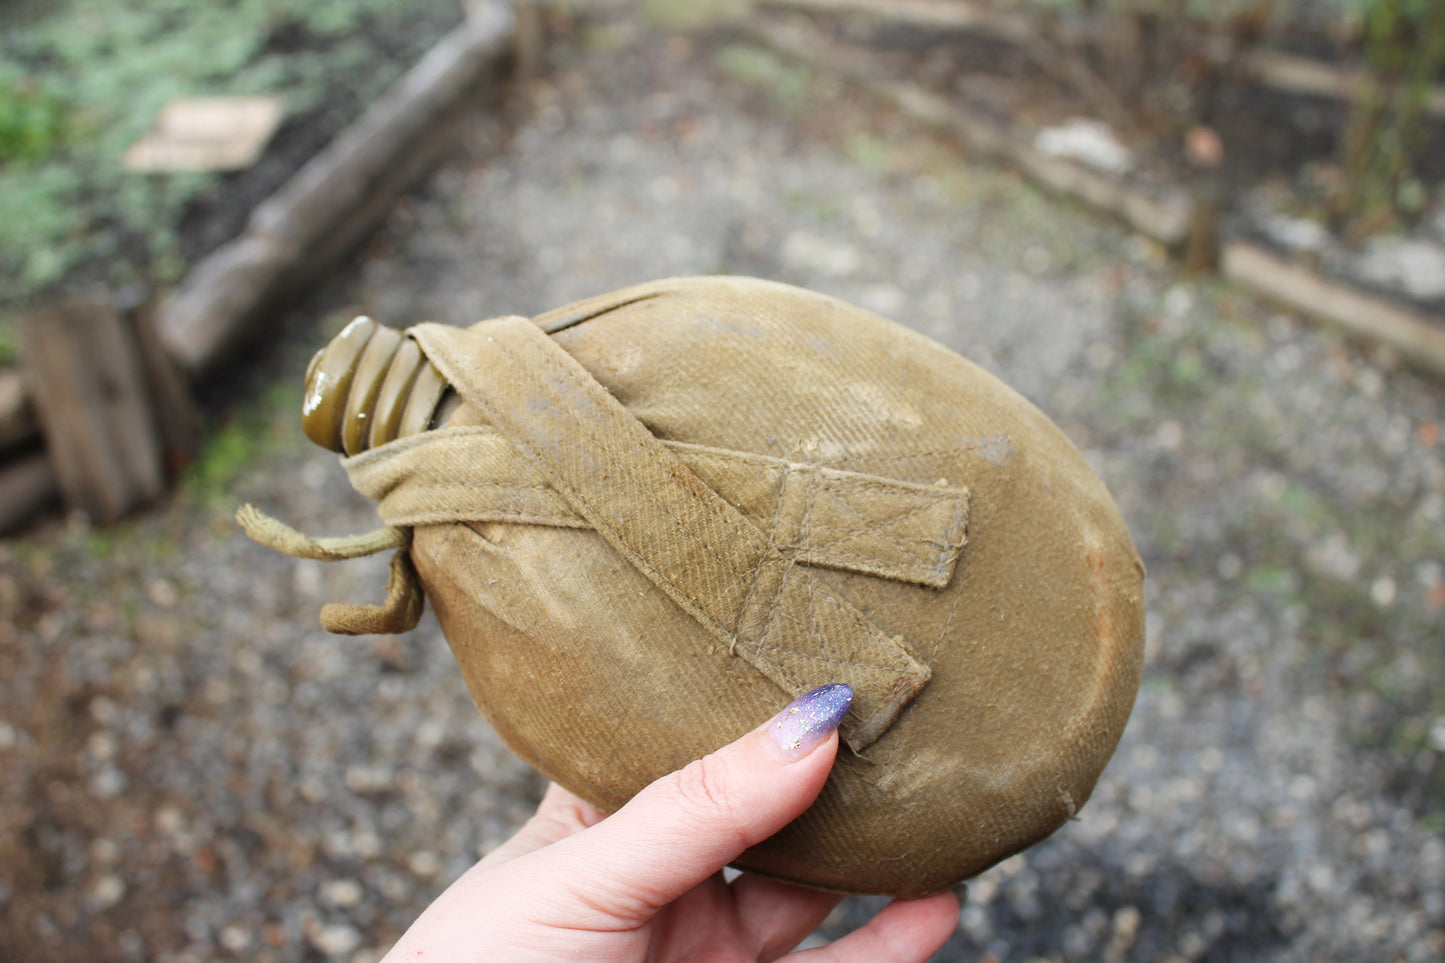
[(404, 596)]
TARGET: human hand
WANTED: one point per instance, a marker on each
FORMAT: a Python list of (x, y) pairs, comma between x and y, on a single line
[(646, 882)]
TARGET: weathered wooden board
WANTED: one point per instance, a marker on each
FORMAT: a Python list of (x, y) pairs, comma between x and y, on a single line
[(17, 417), (1166, 214), (206, 134), (332, 202), (1417, 339), (1282, 71), (88, 384), (173, 409)]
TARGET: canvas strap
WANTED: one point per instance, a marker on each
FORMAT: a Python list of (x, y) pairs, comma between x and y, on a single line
[(736, 580), (731, 537), (823, 517)]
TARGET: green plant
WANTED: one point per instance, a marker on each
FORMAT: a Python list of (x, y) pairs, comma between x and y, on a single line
[(33, 119), (787, 85), (81, 81), (1404, 45)]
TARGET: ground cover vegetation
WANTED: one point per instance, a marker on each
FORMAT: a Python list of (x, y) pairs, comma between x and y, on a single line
[(80, 81)]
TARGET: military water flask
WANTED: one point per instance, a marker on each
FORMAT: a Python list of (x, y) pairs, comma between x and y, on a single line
[(648, 520)]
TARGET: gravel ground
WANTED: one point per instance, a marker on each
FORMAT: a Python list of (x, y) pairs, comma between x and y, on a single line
[(195, 771)]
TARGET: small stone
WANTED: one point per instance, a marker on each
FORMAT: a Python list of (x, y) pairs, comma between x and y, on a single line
[(983, 889), (1192, 945), (489, 843), (1140, 865), (1126, 922), (342, 893), (811, 252), (335, 940), (366, 843), (1416, 267), (103, 710), (104, 851), (101, 746), (1013, 866), (163, 592), (154, 631), (235, 938), (1229, 567), (976, 922), (306, 578), (1382, 593), (1078, 942), (1169, 435), (107, 891), (1334, 557), (108, 783), (1178, 301), (312, 789), (424, 863), (369, 779), (168, 819), (394, 887), (1088, 141), (1437, 734), (1296, 233), (886, 299)]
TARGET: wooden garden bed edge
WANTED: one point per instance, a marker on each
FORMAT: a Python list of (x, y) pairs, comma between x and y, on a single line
[(308, 223)]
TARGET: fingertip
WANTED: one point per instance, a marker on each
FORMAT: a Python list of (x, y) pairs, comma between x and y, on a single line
[(563, 804), (924, 923), (809, 721), (905, 931), (690, 823)]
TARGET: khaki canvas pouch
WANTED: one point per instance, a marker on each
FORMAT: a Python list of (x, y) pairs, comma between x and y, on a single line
[(657, 515)]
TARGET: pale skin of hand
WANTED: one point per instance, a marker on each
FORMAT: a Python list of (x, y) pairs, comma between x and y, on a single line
[(645, 884)]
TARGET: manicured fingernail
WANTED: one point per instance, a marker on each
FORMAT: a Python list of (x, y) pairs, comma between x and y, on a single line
[(809, 719)]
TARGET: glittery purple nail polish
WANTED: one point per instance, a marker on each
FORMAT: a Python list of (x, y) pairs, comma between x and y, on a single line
[(809, 719)]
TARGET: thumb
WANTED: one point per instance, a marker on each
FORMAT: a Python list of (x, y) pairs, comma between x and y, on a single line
[(691, 823)]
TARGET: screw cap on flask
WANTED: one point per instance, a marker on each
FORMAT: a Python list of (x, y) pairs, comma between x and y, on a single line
[(369, 386)]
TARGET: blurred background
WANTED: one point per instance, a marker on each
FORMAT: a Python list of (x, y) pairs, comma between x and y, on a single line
[(1207, 237)]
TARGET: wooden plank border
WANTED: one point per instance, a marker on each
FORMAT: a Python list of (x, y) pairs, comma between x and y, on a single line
[(333, 201), (1418, 340), (1184, 222), (1270, 68), (1166, 215), (323, 211)]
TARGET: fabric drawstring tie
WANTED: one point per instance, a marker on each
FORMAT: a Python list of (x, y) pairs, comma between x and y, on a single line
[(404, 596)]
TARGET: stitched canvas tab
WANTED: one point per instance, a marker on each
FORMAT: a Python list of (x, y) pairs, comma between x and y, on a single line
[(842, 519), (912, 533)]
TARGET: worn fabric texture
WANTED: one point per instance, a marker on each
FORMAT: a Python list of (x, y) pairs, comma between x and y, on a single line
[(659, 514)]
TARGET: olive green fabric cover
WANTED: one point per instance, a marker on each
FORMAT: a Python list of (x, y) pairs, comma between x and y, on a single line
[(660, 514)]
